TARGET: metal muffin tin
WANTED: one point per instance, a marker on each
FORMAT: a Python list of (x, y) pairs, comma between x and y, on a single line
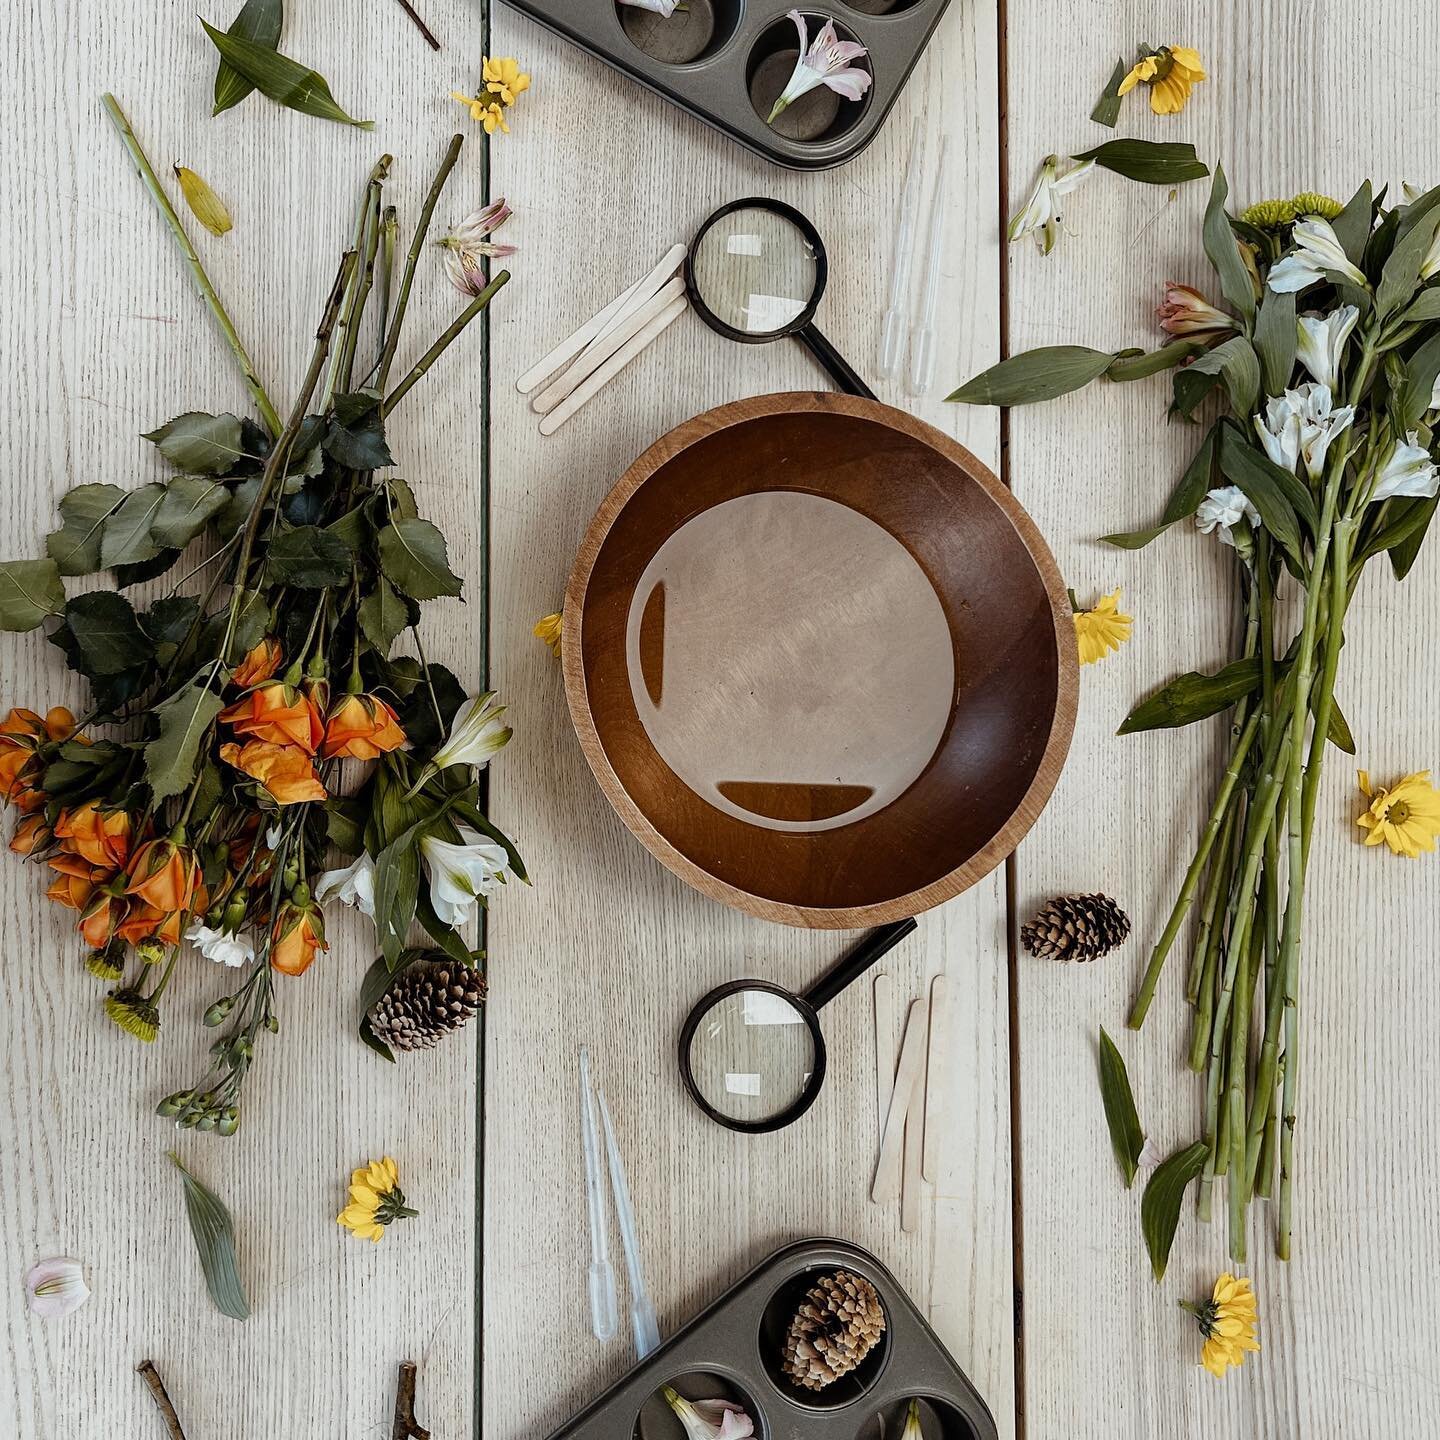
[(819, 131), (733, 1349)]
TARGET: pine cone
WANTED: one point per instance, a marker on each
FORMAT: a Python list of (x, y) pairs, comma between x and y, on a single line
[(427, 1002), (837, 1325), (1076, 927)]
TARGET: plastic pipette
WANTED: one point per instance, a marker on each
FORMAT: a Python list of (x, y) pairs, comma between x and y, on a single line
[(603, 1313), (892, 327), (922, 342), (642, 1312)]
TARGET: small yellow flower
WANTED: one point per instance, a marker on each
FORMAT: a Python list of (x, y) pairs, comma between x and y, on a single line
[(1273, 214), (1227, 1321), (376, 1200), (504, 78), (1406, 817), (1170, 72), (549, 630), (134, 1014), (1100, 629)]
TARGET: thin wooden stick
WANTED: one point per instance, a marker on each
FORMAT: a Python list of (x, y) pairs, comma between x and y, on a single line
[(151, 1376), (406, 1426), (424, 29)]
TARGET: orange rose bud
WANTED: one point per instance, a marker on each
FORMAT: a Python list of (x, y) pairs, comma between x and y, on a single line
[(277, 713), (74, 865), (31, 834), (145, 922), (361, 727), (299, 933), (288, 774), (22, 733), (101, 918), (100, 836), (72, 891), (165, 876), (262, 663)]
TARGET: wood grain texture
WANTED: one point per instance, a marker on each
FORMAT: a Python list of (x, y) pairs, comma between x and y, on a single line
[(610, 949), (1301, 97)]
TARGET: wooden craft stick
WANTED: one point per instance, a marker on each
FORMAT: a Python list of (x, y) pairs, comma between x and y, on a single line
[(605, 345), (884, 1048), (912, 1180), (886, 1189), (612, 367), (938, 1097), (569, 348)]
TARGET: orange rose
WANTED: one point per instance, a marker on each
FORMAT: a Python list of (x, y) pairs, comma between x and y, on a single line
[(144, 922), (102, 917), (299, 933), (288, 774), (361, 727), (74, 865), (277, 713), (22, 733), (72, 891), (165, 876), (261, 663), (100, 836), (31, 834)]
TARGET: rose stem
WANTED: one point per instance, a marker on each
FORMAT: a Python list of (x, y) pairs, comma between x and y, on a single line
[(364, 278), (268, 415), (389, 226), (439, 347), (406, 1427), (420, 25), (369, 204), (151, 1376)]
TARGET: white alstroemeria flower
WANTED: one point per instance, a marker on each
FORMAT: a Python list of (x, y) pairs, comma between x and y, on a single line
[(710, 1419), (1320, 423), (660, 7), (1279, 430), (460, 875), (1430, 265), (475, 734), (1408, 471), (1222, 510), (1435, 395), (826, 62), (224, 947), (1040, 215), (55, 1287), (354, 885), (1317, 250), (1322, 342)]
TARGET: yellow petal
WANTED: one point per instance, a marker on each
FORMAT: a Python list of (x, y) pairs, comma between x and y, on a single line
[(1190, 59), (1168, 96), (204, 203)]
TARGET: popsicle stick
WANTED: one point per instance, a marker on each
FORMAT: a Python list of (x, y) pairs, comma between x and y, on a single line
[(570, 347), (605, 345), (612, 367), (886, 1188), (938, 1096), (884, 1048), (912, 1179)]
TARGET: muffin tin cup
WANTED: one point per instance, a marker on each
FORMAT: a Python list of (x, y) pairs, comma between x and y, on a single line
[(733, 45), (732, 1349)]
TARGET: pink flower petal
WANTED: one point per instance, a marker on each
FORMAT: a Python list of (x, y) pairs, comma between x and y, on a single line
[(852, 84), (799, 20), (55, 1287), (847, 50)]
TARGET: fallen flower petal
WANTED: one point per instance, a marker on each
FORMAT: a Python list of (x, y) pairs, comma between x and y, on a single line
[(56, 1287)]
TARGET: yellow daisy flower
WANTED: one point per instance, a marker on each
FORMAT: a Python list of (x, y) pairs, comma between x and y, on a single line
[(504, 78), (549, 630), (1100, 629), (1406, 817), (1170, 72), (376, 1200), (1227, 1321), (477, 104)]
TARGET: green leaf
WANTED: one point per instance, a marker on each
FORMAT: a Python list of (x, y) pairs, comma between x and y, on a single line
[(1224, 250), (1401, 276), (377, 982), (345, 823), (1147, 161), (30, 590), (360, 446), (1153, 362), (1193, 696), (477, 820), (1126, 1135), (1268, 487), (1234, 363), (1421, 371), (309, 558), (1276, 341), (172, 757), (1036, 375), (108, 633), (1426, 307), (1107, 107), (125, 538), (1338, 731), (75, 546), (383, 615), (189, 505), (201, 444), (1160, 1205), (412, 555), (259, 21), (1185, 499), (281, 79), (252, 620), (397, 886), (168, 621), (1404, 555), (1352, 226), (214, 1234)]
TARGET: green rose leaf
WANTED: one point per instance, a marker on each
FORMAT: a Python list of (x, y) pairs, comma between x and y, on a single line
[(30, 590), (412, 555), (1160, 1205), (1185, 499), (108, 633), (359, 447), (126, 538), (1193, 696), (201, 444), (214, 1234), (281, 79), (1121, 1116), (309, 558), (168, 621), (259, 21), (172, 757), (1224, 249), (383, 615), (75, 546), (189, 505), (1042, 374), (1234, 363), (1148, 161)]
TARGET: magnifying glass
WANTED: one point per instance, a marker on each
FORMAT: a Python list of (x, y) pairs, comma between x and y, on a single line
[(751, 1053), (755, 273)]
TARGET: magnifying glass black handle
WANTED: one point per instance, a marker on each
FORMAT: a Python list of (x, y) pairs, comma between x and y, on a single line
[(856, 963), (842, 375)]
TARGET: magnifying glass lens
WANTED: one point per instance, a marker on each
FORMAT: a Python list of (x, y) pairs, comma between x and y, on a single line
[(755, 270), (751, 1055)]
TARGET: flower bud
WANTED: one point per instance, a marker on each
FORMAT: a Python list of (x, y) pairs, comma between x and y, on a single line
[(272, 1024), (151, 951), (207, 1121), (216, 1014), (174, 1104), (234, 916), (290, 875), (229, 1121), (188, 1120), (300, 894)]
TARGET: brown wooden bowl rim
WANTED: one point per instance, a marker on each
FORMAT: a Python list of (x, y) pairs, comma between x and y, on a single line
[(1047, 772)]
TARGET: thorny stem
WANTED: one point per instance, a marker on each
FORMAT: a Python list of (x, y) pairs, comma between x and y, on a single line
[(268, 414), (444, 341), (151, 1376), (350, 313)]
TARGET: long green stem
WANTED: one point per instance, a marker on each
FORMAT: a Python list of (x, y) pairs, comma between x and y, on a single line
[(366, 217), (443, 343), (268, 415)]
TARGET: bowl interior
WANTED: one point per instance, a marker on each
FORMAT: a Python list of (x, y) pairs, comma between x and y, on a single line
[(819, 660)]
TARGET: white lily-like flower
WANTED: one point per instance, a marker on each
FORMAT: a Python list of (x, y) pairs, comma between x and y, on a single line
[(660, 7), (466, 247), (1408, 471), (710, 1419), (462, 874), (1222, 510), (1320, 423), (55, 1287), (1040, 215), (354, 885), (1279, 430), (826, 62), (475, 735), (1322, 342), (1430, 265), (224, 947), (1435, 395), (1317, 251)]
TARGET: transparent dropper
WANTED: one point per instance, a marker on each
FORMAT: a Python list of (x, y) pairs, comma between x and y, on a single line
[(892, 327), (642, 1311), (604, 1318), (922, 342)]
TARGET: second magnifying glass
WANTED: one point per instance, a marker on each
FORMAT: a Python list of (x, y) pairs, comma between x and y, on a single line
[(752, 1054)]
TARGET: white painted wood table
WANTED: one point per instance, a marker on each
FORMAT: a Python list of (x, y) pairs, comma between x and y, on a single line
[(102, 338)]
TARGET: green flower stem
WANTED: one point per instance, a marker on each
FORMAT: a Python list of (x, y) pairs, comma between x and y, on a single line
[(389, 228), (443, 343), (268, 415), (1216, 886), (1238, 1188), (361, 285), (366, 218)]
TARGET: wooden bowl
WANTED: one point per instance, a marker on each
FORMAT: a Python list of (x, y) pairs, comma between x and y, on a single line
[(819, 659)]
